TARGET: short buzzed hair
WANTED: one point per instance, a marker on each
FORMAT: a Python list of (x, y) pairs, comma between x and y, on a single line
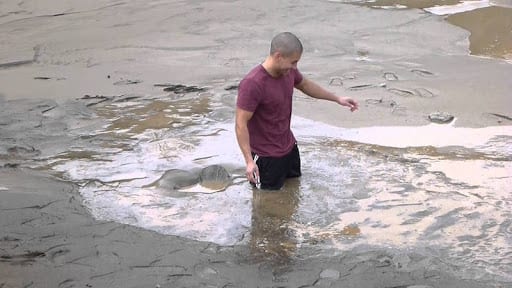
[(286, 43)]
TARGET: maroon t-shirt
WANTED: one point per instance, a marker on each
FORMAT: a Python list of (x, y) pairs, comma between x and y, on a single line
[(270, 99)]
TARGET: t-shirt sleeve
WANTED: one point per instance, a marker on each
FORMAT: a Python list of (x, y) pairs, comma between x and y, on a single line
[(248, 95), (298, 77)]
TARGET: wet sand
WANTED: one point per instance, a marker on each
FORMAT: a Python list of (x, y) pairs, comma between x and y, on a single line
[(54, 56)]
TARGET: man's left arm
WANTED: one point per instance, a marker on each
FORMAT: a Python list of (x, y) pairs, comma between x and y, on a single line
[(314, 90)]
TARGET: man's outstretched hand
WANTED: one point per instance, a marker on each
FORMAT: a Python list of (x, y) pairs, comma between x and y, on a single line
[(349, 102)]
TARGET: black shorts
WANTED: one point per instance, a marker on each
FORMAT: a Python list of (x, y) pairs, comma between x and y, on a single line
[(275, 170)]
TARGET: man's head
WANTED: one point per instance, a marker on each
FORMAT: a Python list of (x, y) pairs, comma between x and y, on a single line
[(286, 44), (285, 51)]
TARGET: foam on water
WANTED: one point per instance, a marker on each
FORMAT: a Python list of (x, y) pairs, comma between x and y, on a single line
[(458, 8), (436, 135), (468, 6)]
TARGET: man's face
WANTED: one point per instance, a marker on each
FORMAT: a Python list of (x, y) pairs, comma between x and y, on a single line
[(286, 63)]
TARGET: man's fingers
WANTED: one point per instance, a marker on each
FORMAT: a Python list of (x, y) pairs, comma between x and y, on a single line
[(352, 104), (250, 177), (256, 177), (253, 176)]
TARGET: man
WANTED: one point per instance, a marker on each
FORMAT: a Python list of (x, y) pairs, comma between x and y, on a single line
[(263, 114)]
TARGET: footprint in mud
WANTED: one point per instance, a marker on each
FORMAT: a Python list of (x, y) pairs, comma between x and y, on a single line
[(127, 82), (421, 92), (399, 110), (338, 80), (390, 76), (499, 117), (361, 87), (395, 107), (401, 92), (349, 76), (425, 93), (422, 73), (23, 152), (366, 86), (68, 283), (58, 255), (381, 102)]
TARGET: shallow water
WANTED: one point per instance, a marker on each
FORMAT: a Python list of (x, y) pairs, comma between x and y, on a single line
[(439, 189), (489, 22)]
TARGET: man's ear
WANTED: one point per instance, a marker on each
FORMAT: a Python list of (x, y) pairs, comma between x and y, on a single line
[(278, 55)]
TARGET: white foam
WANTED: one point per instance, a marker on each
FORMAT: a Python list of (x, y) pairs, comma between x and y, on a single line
[(458, 8), (437, 135)]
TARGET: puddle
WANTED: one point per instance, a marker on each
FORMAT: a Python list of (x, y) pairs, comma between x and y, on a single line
[(436, 188), (491, 30), (489, 22)]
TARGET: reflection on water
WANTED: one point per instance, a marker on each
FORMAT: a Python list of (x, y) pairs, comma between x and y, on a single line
[(446, 190), (489, 22), (272, 212)]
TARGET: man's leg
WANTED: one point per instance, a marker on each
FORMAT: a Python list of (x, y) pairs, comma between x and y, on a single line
[(294, 162), (274, 171)]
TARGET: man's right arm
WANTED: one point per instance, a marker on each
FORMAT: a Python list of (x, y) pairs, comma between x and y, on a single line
[(242, 136)]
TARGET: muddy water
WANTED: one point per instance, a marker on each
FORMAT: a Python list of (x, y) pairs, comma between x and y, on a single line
[(491, 30), (489, 22), (437, 189)]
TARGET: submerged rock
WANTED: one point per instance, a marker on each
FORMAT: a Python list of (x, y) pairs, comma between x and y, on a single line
[(440, 117), (390, 76), (215, 177)]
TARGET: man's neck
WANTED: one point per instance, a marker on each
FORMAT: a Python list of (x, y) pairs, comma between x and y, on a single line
[(268, 65)]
